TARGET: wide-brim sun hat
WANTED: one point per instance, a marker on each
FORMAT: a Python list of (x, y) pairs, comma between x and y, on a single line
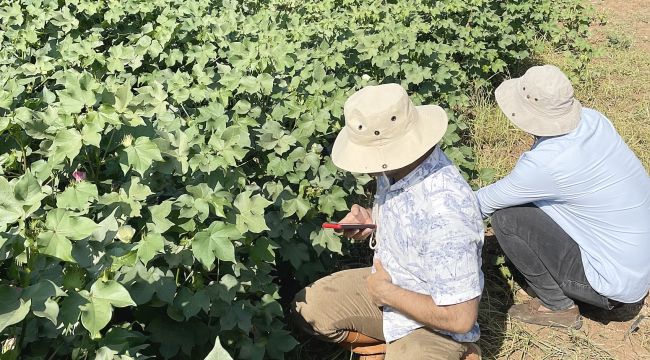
[(541, 102), (385, 131)]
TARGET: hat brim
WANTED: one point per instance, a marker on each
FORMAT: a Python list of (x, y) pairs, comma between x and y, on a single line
[(392, 154), (511, 102)]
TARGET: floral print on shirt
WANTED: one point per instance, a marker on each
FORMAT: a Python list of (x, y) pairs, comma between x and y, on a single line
[(430, 235)]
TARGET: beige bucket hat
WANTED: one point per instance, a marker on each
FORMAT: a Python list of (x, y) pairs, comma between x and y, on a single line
[(541, 102), (384, 131)]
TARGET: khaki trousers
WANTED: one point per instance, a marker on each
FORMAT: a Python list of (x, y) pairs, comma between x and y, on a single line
[(339, 303)]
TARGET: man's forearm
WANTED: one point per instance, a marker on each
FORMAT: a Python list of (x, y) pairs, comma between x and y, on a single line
[(459, 318)]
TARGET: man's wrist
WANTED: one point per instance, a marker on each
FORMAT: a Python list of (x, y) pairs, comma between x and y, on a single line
[(390, 294)]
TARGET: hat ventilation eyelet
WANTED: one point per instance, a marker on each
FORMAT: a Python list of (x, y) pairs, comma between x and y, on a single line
[(393, 118), (360, 127), (513, 114), (384, 166), (536, 99), (377, 132)]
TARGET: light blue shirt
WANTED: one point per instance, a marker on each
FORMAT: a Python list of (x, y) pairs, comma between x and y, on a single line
[(594, 187), (429, 239)]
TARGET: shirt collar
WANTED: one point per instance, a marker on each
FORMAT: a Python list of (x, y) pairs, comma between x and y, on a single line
[(426, 168)]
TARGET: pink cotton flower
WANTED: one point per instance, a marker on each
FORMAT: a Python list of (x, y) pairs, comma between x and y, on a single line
[(79, 175)]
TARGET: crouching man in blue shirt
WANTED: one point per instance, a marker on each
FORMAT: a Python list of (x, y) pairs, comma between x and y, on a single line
[(422, 295), (573, 216)]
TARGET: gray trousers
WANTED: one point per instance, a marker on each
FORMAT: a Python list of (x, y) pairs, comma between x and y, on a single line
[(546, 256)]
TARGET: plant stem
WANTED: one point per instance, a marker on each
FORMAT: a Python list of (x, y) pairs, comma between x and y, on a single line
[(108, 146), (54, 353), (22, 148), (90, 166), (19, 346)]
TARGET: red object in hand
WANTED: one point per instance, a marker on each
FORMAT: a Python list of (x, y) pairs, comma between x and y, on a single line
[(348, 226)]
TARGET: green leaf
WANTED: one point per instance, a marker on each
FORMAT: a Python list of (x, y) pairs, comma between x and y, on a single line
[(78, 92), (334, 201), (112, 292), (67, 144), (263, 251), (69, 224), (42, 290), (295, 253), (105, 353), (149, 246), (123, 97), (159, 215), (192, 303), (215, 242), (137, 191), (140, 155), (41, 295), (202, 249), (50, 311), (319, 72), (266, 83), (326, 239), (13, 309), (95, 315), (71, 308), (28, 190), (91, 134), (249, 84), (237, 315), (242, 107), (280, 342), (251, 212), (53, 244), (10, 212), (77, 196), (487, 175), (218, 352), (298, 206), (106, 229)]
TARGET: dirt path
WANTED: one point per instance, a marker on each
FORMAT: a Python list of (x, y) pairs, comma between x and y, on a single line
[(632, 15)]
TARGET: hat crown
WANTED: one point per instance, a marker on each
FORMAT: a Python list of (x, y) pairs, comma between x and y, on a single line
[(384, 131), (541, 102), (378, 112), (546, 84)]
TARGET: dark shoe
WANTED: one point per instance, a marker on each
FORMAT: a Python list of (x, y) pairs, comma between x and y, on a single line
[(620, 312), (529, 313)]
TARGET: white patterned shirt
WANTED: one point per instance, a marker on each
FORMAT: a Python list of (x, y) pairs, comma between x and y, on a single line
[(430, 234)]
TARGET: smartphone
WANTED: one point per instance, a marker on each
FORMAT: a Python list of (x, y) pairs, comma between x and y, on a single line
[(347, 226)]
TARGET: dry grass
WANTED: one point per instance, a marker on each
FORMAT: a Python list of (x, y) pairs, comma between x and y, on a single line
[(615, 83)]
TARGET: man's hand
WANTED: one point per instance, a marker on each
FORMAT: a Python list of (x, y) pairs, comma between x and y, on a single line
[(458, 318), (358, 215), (379, 284)]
